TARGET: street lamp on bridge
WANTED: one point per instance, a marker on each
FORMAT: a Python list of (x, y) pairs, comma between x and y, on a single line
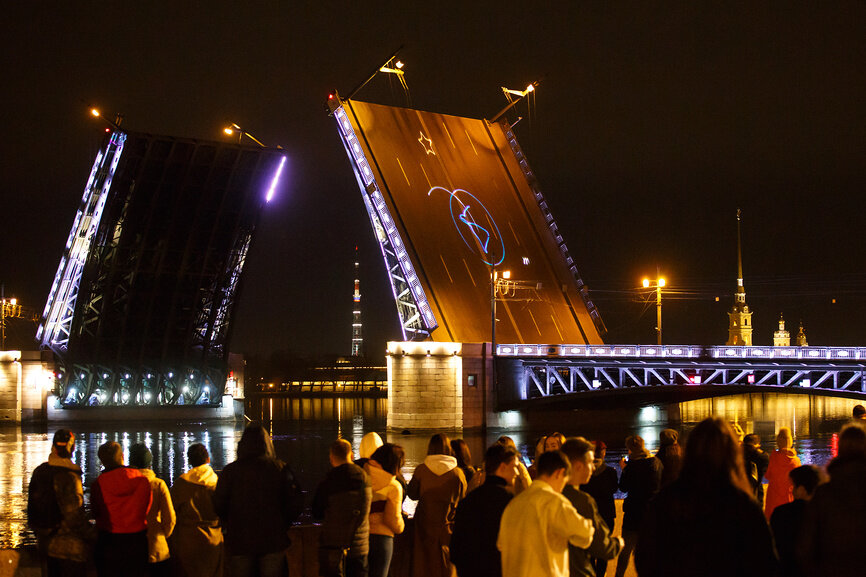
[(230, 130), (657, 285)]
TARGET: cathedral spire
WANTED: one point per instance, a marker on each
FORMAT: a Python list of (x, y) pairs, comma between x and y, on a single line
[(741, 289), (740, 317)]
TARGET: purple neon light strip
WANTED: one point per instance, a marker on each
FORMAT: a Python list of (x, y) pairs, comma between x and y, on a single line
[(275, 180)]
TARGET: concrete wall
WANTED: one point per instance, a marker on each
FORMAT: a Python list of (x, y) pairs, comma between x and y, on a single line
[(25, 378)]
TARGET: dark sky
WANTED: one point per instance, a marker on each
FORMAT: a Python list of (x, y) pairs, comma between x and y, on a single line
[(650, 127)]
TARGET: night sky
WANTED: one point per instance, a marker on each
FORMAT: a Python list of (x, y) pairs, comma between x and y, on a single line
[(649, 128)]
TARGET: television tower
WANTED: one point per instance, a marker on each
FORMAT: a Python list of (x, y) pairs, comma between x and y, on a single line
[(357, 339)]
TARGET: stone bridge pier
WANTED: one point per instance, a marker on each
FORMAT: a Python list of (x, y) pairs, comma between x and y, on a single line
[(440, 386)]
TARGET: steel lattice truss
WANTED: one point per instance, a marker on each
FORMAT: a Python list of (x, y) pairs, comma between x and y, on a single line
[(416, 318), (140, 310), (540, 371)]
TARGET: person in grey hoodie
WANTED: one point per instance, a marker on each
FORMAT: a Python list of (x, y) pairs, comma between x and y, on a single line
[(197, 541), (438, 485)]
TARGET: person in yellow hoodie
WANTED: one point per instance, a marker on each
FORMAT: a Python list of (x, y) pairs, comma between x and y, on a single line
[(386, 517), (197, 542), (160, 518)]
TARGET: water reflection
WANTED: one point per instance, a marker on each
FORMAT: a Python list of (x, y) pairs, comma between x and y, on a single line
[(22, 451), (303, 428)]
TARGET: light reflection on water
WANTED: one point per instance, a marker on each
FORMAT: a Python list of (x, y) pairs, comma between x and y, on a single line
[(303, 428)]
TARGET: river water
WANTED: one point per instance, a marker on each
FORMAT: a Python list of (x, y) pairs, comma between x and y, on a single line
[(303, 428)]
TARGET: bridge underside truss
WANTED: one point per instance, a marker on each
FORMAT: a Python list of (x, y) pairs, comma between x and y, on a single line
[(549, 379), (544, 372), (141, 307)]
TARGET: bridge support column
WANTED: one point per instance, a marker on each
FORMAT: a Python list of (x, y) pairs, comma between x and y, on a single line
[(439, 386), (24, 382)]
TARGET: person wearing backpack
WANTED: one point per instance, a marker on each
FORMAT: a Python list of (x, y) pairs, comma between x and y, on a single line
[(342, 502), (55, 511)]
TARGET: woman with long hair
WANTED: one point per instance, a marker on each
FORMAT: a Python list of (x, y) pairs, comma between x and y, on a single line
[(257, 500), (438, 485), (460, 450), (707, 522), (386, 517), (670, 453)]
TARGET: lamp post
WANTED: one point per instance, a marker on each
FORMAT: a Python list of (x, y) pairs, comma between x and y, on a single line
[(657, 285), (230, 130), (496, 280)]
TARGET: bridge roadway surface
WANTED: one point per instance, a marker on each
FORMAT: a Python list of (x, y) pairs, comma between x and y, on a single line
[(578, 375), (432, 168)]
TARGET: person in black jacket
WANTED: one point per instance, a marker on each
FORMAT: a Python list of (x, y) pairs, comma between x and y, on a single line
[(476, 523), (604, 545), (707, 522), (787, 520), (342, 501), (257, 500), (602, 486), (641, 479), (834, 526)]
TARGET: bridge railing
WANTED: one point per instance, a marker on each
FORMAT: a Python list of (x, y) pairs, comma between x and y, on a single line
[(682, 352)]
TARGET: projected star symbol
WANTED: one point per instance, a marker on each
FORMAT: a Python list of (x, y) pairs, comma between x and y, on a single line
[(426, 143)]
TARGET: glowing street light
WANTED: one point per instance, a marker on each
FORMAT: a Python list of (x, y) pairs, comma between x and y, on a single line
[(657, 284), (397, 69), (520, 94), (230, 130), (118, 118)]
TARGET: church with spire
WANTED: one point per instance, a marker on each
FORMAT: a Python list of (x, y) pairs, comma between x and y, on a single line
[(739, 317)]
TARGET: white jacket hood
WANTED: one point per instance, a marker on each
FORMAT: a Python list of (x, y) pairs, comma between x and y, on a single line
[(440, 464), (369, 443), (201, 475)]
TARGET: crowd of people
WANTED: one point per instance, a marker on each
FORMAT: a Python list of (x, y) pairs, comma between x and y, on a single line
[(698, 510)]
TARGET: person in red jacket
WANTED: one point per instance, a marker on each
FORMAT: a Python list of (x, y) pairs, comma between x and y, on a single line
[(782, 461), (121, 498)]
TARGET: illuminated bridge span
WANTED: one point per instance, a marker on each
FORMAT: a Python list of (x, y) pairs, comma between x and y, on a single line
[(454, 205), (142, 302), (529, 372)]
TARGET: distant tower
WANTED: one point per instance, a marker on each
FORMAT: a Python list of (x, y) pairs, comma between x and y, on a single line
[(801, 337), (782, 338), (740, 317), (357, 339)]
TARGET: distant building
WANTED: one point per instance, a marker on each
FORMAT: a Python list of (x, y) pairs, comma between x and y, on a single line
[(801, 337), (782, 338), (740, 317)]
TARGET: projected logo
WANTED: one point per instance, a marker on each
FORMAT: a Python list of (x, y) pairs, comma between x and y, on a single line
[(474, 224)]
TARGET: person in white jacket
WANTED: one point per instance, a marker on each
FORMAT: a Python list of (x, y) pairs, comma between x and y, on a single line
[(161, 518), (539, 523), (197, 541)]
